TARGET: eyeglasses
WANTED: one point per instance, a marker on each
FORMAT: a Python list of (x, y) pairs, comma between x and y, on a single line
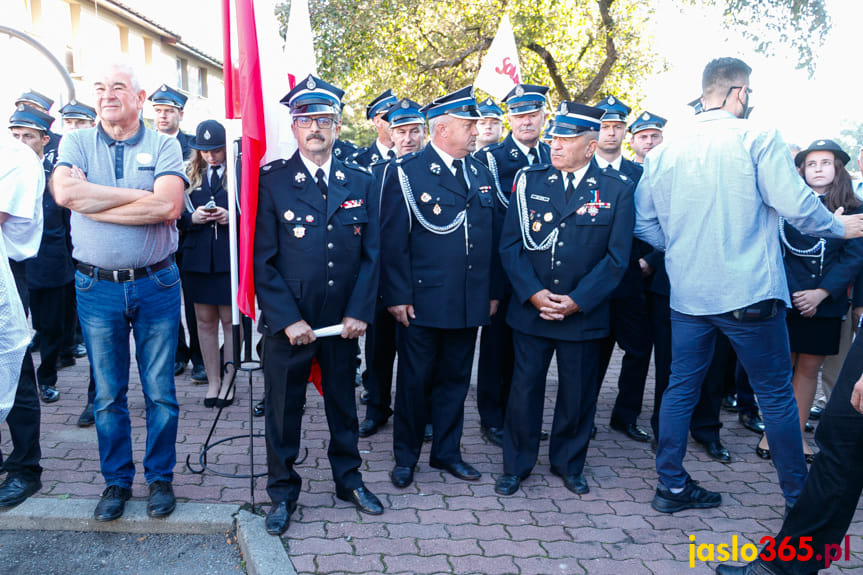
[(322, 122)]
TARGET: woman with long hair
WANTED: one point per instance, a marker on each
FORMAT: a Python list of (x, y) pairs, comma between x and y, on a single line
[(819, 271), (206, 261)]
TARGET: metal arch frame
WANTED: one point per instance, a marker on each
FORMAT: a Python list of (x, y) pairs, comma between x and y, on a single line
[(67, 79)]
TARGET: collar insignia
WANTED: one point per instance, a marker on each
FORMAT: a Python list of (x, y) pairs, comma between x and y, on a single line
[(300, 177), (340, 175), (434, 167)]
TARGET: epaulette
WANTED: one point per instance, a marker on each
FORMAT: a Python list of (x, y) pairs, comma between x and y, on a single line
[(357, 168), (491, 147), (610, 172), (273, 166), (536, 168), (408, 157)]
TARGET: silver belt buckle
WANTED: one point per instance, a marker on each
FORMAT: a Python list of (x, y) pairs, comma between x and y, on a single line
[(116, 275)]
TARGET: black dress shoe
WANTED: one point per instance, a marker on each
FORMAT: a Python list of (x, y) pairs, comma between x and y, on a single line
[(809, 428), (16, 489), (112, 504), (222, 403), (716, 451), (210, 401), (179, 367), (754, 568), (162, 501), (279, 517), (493, 435), (575, 482), (369, 427), (258, 411), (428, 434), (364, 397), (49, 394), (402, 476), (762, 453), (543, 434), (815, 412), (363, 499), (459, 469), (87, 417), (199, 373), (631, 430), (507, 484), (729, 403), (752, 422)]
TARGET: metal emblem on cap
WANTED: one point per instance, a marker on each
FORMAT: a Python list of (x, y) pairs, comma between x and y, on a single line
[(206, 134), (73, 103), (645, 116), (311, 85), (562, 108), (519, 91), (20, 107), (405, 104), (611, 100), (164, 88), (819, 143)]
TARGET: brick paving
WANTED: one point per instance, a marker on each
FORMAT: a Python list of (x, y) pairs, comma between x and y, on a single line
[(440, 524)]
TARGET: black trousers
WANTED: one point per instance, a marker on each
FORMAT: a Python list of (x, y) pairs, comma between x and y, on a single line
[(435, 365), (830, 495), (23, 419), (494, 368), (630, 328), (286, 377), (574, 408), (71, 328), (705, 424), (380, 349), (50, 307)]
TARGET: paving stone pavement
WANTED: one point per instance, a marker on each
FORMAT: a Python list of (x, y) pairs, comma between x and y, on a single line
[(440, 524)]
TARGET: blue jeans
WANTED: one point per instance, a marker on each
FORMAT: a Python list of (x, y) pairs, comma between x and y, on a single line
[(150, 308), (762, 348)]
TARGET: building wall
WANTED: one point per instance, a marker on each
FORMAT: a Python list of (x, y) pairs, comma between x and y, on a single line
[(83, 37)]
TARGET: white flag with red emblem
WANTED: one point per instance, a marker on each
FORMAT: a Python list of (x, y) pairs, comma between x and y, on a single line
[(500, 70)]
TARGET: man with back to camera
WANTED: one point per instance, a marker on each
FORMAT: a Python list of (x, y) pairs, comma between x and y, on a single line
[(565, 245), (745, 180), (124, 184), (440, 279), (630, 328), (407, 130), (316, 265), (526, 111)]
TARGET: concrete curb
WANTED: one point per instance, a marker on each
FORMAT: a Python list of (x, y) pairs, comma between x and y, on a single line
[(264, 554), (50, 514)]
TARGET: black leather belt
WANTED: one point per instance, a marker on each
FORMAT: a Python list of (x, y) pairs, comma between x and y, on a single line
[(125, 275)]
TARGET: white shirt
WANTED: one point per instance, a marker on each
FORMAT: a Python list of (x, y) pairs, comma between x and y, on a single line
[(313, 167), (526, 151), (383, 150), (448, 160), (603, 163), (575, 176)]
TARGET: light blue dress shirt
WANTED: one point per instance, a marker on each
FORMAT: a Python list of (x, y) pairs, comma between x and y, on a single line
[(711, 199)]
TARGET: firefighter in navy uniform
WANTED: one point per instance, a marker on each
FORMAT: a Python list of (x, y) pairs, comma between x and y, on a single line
[(440, 278), (169, 104), (316, 265), (382, 147), (42, 103), (407, 129), (565, 245), (630, 327), (522, 147)]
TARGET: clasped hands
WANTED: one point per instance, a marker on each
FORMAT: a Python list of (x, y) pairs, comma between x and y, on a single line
[(301, 333), (552, 306)]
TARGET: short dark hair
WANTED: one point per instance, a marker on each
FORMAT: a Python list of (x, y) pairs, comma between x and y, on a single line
[(722, 73)]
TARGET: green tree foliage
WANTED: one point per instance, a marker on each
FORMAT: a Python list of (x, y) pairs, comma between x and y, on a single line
[(583, 49)]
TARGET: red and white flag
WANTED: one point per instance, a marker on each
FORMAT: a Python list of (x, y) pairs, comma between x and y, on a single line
[(500, 70), (258, 72)]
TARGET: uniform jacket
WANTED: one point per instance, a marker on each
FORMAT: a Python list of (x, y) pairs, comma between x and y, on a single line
[(53, 266), (589, 255), (185, 140), (315, 260), (509, 159), (632, 284), (365, 157), (342, 150), (448, 278), (843, 260), (203, 249)]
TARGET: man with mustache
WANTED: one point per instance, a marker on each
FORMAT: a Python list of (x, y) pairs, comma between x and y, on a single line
[(316, 265), (440, 279), (525, 105)]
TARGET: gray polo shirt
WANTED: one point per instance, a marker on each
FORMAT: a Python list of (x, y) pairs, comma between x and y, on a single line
[(132, 163)]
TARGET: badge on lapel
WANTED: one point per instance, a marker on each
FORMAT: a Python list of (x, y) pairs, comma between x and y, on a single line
[(513, 153), (434, 168), (299, 232), (289, 215), (425, 198), (436, 210), (340, 175), (300, 177)]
